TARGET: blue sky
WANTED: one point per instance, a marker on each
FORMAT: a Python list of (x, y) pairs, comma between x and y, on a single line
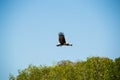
[(29, 31)]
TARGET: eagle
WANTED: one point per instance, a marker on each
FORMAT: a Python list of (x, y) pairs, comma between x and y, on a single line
[(62, 40)]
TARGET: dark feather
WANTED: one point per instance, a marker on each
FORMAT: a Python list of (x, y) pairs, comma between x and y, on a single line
[(62, 40)]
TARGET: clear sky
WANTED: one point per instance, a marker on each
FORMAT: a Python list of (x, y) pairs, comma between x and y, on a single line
[(29, 31)]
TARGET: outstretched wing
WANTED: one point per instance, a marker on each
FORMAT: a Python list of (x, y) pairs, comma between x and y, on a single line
[(62, 38)]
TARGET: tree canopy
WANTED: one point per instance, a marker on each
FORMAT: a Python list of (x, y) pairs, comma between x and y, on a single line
[(94, 68)]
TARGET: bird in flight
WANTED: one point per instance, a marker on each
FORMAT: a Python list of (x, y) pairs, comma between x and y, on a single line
[(62, 40)]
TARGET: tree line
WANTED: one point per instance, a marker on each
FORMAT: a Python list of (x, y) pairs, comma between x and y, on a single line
[(94, 68)]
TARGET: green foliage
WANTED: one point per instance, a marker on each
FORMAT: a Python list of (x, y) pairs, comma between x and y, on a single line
[(117, 68), (94, 68), (11, 77)]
